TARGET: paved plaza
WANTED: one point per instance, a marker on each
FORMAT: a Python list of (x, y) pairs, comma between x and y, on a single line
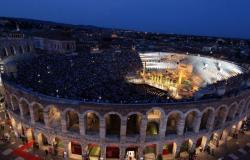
[(234, 149)]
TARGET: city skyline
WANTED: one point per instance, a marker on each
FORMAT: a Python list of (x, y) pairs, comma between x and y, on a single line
[(221, 19)]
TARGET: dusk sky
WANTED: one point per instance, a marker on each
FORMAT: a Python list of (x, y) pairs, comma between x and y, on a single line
[(229, 18)]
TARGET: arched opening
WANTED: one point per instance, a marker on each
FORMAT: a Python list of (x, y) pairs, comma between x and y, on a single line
[(12, 50), (245, 123), (133, 125), (15, 105), (186, 146), (240, 124), (221, 114), (72, 121), (154, 118), (205, 119), (67, 46), (239, 109), (38, 113), (75, 150), (4, 52), (58, 146), (113, 124), (42, 141), (112, 153), (190, 121), (237, 113), (231, 113), (213, 141), (245, 110), (20, 130), (234, 132), (21, 49), (200, 144), (150, 152), (248, 106), (30, 135), (25, 109), (172, 121), (13, 123), (223, 136), (92, 123), (54, 118), (131, 153), (152, 129), (93, 152), (30, 48), (169, 151)]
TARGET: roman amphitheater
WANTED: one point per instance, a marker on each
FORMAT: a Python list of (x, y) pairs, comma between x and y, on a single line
[(197, 102)]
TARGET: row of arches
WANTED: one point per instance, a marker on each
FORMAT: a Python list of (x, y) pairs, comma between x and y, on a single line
[(15, 49), (155, 122), (149, 151)]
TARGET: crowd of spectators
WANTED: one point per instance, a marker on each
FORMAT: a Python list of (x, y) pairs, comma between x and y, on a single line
[(89, 77), (96, 78)]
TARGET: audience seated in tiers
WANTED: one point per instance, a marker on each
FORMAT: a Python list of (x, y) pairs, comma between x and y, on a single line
[(95, 78), (92, 77)]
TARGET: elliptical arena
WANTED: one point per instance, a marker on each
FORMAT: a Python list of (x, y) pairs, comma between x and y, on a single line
[(184, 113)]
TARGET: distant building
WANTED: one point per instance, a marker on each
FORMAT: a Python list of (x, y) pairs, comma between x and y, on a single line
[(55, 42), (15, 35)]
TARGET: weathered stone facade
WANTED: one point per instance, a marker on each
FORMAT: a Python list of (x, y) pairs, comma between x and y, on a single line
[(230, 111), (11, 47)]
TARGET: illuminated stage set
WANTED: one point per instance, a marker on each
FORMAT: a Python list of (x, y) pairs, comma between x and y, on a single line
[(182, 74)]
